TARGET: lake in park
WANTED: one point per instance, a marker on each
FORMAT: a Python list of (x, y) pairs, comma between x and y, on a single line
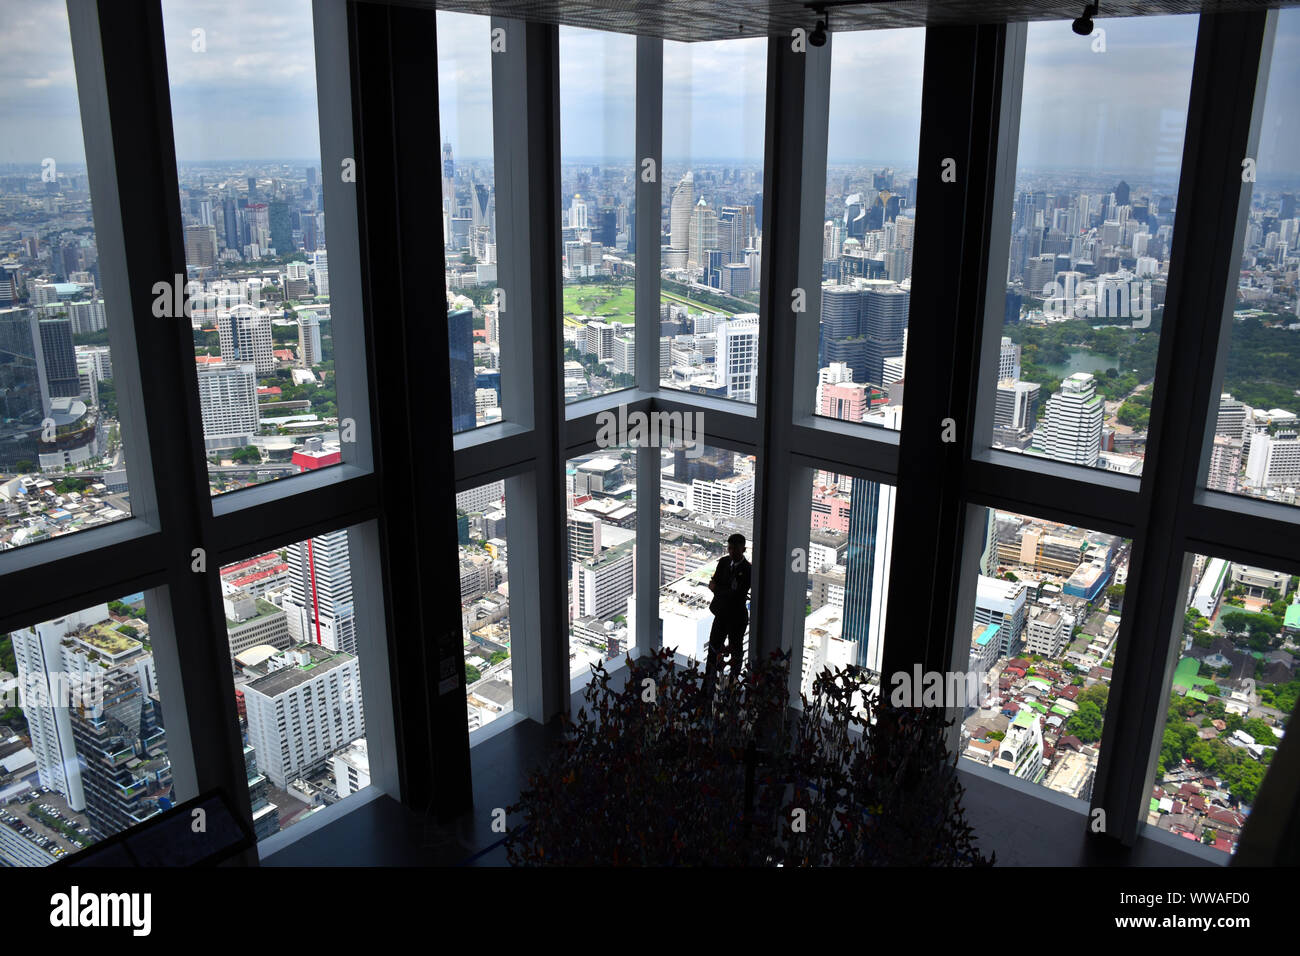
[(1081, 360)]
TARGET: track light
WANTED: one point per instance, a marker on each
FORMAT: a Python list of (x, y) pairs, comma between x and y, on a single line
[(818, 36), (1083, 25)]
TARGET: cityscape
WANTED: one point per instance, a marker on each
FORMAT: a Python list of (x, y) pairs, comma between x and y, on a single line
[(1086, 273)]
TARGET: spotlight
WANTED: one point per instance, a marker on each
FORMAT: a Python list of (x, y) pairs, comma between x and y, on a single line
[(818, 36), (1083, 25)]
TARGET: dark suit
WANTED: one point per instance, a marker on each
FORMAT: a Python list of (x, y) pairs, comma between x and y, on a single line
[(731, 617)]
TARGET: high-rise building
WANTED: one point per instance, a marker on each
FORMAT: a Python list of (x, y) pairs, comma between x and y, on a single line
[(884, 322), (602, 584), (309, 349), (1002, 603), (871, 522), (737, 358), (94, 726), (321, 270), (318, 604), (245, 336), (584, 535), (303, 705), (200, 246), (679, 211), (228, 401), (1008, 360), (59, 357), (1071, 428), (1225, 464), (460, 337), (281, 230), (1017, 405)]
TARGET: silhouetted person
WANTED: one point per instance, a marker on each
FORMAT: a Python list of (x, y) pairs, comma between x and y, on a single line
[(730, 587)]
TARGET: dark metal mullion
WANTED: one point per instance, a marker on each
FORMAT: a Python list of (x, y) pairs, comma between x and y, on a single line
[(295, 518), (394, 77), (191, 653), (783, 212), (1203, 260), (959, 121), (1078, 501)]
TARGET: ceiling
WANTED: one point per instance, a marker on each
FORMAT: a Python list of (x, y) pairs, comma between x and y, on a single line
[(692, 20)]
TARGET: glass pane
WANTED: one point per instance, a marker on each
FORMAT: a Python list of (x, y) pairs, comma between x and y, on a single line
[(852, 529), (62, 463), (243, 93), (1091, 229), (1256, 448), (711, 242), (601, 495), (1042, 646), (598, 210), (1234, 687), (81, 725), (706, 495), (485, 602), (469, 218), (870, 224), (292, 626)]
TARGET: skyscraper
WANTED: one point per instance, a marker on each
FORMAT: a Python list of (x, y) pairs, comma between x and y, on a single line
[(679, 211), (460, 336), (884, 320), (1071, 427), (318, 606), (245, 336)]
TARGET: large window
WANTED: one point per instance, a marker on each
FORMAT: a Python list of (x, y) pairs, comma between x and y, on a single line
[(485, 602), (1234, 687), (598, 210), (867, 240), (1092, 218), (851, 536), (600, 490), (291, 620), (712, 216), (1042, 650), (257, 289), (706, 494), (62, 457), (1255, 448), (474, 307), (81, 724)]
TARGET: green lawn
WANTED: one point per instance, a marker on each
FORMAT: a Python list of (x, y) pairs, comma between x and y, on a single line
[(614, 303), (617, 303)]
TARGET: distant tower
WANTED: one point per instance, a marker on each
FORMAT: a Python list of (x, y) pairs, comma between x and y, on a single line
[(679, 213), (448, 180)]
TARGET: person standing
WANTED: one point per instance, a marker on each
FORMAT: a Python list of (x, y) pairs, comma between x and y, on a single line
[(730, 607)]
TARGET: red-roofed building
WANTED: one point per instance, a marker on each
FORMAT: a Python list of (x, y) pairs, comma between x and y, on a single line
[(283, 355), (315, 455), (1069, 692), (1229, 820), (1189, 790), (268, 390), (1223, 843), (208, 359), (1198, 804)]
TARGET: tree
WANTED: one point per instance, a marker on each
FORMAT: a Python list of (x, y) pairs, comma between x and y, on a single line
[(499, 656), (1116, 594), (1086, 723), (1097, 695), (471, 674), (1235, 622)]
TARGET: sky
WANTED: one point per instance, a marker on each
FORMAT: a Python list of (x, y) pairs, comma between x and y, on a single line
[(252, 93)]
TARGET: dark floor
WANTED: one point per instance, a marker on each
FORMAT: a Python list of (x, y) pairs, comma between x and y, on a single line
[(1017, 822)]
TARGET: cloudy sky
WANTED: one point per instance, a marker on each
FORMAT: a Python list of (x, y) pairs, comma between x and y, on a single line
[(251, 94)]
